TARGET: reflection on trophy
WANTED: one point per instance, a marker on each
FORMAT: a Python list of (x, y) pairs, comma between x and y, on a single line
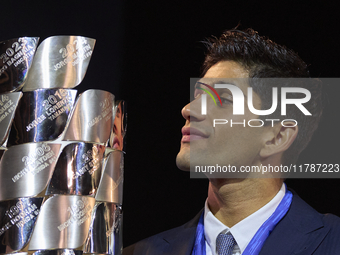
[(61, 168)]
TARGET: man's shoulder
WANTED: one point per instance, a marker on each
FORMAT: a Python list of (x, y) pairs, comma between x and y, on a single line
[(305, 218), (309, 214), (333, 222), (322, 227), (305, 230), (179, 239)]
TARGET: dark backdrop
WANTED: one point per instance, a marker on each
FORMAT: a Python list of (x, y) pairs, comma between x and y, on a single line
[(145, 53)]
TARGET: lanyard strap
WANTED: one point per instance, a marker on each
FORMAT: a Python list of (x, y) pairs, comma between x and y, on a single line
[(199, 246), (256, 243)]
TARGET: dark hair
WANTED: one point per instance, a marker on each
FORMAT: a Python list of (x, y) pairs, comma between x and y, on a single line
[(263, 58)]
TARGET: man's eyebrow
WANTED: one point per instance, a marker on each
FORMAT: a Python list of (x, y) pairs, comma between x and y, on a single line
[(225, 82), (216, 82)]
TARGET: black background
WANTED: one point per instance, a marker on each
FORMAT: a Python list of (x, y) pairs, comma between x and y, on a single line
[(145, 53)]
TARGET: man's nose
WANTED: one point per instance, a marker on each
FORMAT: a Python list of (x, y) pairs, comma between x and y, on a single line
[(192, 111)]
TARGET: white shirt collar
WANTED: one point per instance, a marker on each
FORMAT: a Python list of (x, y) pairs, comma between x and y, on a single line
[(243, 231)]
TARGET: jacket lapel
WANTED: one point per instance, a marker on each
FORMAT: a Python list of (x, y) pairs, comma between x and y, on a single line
[(300, 232), (181, 242)]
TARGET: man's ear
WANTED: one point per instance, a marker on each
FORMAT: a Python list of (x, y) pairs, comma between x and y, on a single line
[(279, 138)]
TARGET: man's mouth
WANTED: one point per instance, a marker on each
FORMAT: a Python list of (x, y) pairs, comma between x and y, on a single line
[(116, 143), (191, 134)]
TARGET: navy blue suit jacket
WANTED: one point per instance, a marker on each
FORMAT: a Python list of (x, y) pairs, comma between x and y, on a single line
[(301, 231)]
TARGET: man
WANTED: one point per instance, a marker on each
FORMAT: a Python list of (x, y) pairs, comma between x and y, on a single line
[(248, 215)]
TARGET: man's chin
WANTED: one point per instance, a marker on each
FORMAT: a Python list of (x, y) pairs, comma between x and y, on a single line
[(183, 161)]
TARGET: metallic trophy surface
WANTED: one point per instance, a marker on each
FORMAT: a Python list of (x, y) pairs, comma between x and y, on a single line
[(18, 218), (61, 153), (107, 213), (26, 169), (111, 184), (8, 104), (108, 217), (91, 123), (16, 57), (63, 222), (78, 170), (60, 62), (41, 115)]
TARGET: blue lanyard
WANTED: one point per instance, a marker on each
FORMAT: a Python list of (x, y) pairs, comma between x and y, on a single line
[(199, 246), (256, 243)]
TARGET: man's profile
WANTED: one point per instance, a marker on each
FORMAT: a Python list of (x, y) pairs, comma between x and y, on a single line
[(247, 215)]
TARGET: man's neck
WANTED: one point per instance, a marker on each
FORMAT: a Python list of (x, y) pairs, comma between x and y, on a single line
[(232, 200)]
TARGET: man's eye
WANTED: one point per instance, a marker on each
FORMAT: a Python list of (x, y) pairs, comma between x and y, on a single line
[(226, 100)]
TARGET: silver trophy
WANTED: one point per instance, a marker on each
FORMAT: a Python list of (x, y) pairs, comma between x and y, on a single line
[(61, 168)]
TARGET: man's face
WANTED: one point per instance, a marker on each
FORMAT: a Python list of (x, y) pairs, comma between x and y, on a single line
[(202, 144)]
